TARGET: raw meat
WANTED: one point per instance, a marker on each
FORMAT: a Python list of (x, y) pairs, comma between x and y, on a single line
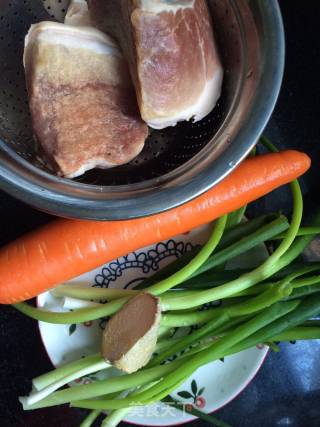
[(172, 55), (82, 102)]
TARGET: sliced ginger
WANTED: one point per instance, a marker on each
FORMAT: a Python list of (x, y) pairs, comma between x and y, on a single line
[(130, 336)]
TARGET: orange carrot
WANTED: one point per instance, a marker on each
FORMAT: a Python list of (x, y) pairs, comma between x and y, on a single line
[(65, 248)]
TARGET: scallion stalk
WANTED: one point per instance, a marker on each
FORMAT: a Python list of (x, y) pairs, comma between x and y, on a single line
[(61, 372), (213, 352), (298, 333), (183, 274), (111, 385), (194, 411), (90, 419)]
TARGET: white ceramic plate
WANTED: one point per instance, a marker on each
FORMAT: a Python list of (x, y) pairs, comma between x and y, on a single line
[(210, 388)]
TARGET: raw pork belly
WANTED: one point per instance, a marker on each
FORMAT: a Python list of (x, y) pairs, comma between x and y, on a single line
[(82, 101), (172, 55)]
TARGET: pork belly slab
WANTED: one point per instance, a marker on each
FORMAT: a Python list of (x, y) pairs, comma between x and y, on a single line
[(82, 102), (172, 55)]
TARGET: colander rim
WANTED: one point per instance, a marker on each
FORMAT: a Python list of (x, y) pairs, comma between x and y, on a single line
[(15, 181)]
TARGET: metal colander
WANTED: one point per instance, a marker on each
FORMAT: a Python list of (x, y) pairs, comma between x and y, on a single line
[(176, 164)]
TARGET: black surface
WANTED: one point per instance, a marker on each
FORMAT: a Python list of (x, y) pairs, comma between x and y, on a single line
[(286, 391)]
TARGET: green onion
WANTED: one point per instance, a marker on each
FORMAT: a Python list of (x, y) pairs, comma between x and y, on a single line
[(308, 308), (58, 374), (185, 342), (90, 419), (211, 353), (235, 217), (306, 281), (44, 392), (245, 244), (298, 333), (115, 417), (187, 319), (229, 236), (303, 292), (195, 264), (164, 345), (216, 349), (303, 231), (111, 385), (213, 278), (236, 233), (313, 322), (269, 297), (169, 269), (194, 411), (73, 317), (279, 259), (92, 293)]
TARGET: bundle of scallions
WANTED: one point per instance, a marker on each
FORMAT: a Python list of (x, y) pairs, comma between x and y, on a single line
[(272, 302)]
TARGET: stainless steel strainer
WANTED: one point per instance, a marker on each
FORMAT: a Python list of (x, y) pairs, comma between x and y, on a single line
[(177, 164)]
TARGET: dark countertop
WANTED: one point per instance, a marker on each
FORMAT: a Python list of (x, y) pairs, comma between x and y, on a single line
[(286, 391)]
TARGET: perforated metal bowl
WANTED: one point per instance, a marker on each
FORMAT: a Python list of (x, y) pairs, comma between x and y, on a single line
[(177, 164)]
